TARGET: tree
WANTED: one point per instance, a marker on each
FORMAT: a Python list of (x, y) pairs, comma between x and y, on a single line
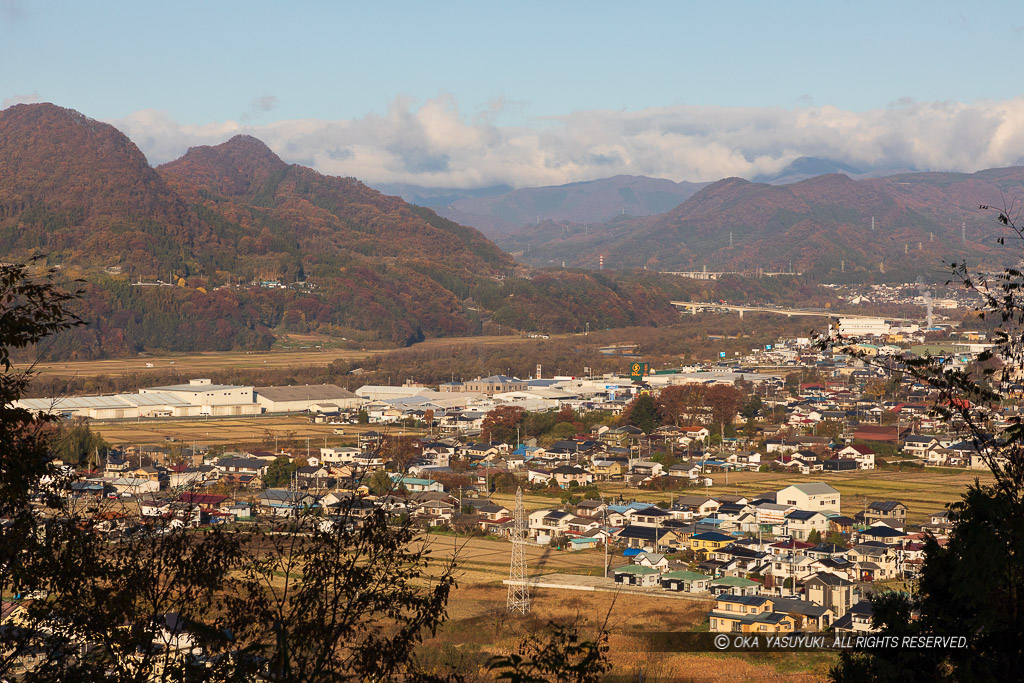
[(76, 443), (380, 483), (280, 472), (500, 425), (752, 407), (641, 413), (971, 586)]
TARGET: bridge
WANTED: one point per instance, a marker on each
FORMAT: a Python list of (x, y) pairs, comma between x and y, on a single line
[(716, 274), (695, 306)]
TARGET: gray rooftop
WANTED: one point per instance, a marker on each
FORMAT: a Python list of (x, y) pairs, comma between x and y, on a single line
[(312, 392)]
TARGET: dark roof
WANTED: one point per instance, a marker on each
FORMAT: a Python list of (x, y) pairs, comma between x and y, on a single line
[(755, 600), (882, 532), (791, 606), (802, 514), (884, 505), (828, 579), (711, 536), (653, 511)]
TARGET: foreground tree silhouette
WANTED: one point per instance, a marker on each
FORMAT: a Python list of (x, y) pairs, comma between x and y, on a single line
[(974, 585)]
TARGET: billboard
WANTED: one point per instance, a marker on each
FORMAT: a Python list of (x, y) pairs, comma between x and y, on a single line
[(638, 370)]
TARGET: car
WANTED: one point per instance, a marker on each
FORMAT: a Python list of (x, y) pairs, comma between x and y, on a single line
[(339, 430), (126, 495), (112, 496)]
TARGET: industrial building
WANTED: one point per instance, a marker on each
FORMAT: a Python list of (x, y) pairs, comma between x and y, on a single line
[(309, 397)]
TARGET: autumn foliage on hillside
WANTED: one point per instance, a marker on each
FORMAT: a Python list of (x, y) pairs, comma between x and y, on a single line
[(247, 246)]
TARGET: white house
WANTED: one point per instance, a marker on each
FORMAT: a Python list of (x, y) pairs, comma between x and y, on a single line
[(816, 496)]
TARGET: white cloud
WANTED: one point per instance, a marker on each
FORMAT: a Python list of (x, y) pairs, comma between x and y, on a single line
[(20, 99), (433, 143)]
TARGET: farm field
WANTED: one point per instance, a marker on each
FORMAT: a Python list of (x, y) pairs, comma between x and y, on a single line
[(235, 430), (479, 625), (923, 492), (290, 356)]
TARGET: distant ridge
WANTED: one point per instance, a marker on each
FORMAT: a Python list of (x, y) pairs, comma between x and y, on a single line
[(495, 212), (822, 226)]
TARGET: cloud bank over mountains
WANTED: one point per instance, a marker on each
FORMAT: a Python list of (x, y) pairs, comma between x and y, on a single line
[(434, 144)]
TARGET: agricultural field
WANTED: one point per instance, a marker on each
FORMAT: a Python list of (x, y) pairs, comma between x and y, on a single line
[(922, 491), (294, 353), (292, 430), (479, 625)]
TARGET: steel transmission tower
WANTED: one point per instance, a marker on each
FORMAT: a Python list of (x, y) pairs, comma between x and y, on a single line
[(518, 588)]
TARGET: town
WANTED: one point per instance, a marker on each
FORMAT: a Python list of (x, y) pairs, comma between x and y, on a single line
[(626, 470)]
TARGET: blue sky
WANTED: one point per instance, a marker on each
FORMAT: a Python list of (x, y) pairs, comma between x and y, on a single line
[(343, 82)]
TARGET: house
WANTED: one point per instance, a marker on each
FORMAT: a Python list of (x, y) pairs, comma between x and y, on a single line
[(652, 516), (800, 524), (709, 541), (840, 465), (117, 467), (700, 506), (880, 433), (938, 522), (817, 496), (254, 466), (807, 615), (548, 522), (831, 591), (748, 614), (842, 524), (634, 575), (653, 538), (892, 512), (647, 468), (590, 508), (857, 620), (569, 475), (880, 533), (685, 582), (415, 484), (864, 455), (608, 469), (284, 503), (736, 585), (874, 561), (312, 477), (653, 560), (920, 445)]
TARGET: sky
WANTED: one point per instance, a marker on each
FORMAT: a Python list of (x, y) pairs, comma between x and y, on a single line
[(472, 94)]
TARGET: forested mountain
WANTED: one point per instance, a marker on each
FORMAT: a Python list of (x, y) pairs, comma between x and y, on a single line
[(255, 246), (821, 226)]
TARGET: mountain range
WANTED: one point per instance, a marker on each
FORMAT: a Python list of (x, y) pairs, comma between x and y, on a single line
[(830, 226), (499, 210)]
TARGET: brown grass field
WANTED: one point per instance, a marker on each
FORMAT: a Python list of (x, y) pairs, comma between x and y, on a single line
[(922, 491), (479, 626), (291, 355), (291, 430)]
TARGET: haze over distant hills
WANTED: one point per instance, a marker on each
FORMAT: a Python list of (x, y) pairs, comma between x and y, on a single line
[(499, 211), (822, 225)]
